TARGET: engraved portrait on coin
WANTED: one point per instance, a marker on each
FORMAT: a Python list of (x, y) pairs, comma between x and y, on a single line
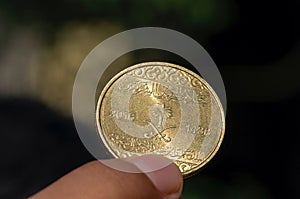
[(161, 108)]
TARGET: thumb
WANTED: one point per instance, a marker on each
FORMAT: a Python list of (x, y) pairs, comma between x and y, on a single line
[(97, 180), (168, 179)]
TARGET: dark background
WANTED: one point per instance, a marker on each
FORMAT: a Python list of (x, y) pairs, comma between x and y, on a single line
[(254, 43)]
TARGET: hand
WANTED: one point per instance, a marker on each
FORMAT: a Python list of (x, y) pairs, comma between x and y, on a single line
[(95, 180)]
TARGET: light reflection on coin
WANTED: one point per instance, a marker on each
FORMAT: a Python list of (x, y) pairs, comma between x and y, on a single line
[(161, 108)]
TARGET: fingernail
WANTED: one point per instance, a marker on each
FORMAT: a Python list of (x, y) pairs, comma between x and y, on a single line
[(162, 172)]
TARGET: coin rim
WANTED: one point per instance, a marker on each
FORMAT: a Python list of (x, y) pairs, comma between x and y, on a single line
[(139, 65)]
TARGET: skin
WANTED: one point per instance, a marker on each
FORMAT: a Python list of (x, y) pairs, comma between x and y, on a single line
[(97, 180)]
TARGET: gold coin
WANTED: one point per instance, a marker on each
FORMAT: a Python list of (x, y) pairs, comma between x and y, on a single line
[(161, 108)]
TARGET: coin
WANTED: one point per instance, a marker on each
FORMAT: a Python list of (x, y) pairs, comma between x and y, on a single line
[(161, 108)]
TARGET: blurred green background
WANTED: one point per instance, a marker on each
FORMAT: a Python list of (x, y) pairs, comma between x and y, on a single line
[(254, 43)]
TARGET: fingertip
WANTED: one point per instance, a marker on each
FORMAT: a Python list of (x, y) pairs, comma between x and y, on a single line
[(162, 172)]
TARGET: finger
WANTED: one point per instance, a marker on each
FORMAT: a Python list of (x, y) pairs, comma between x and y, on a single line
[(96, 180), (167, 180)]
